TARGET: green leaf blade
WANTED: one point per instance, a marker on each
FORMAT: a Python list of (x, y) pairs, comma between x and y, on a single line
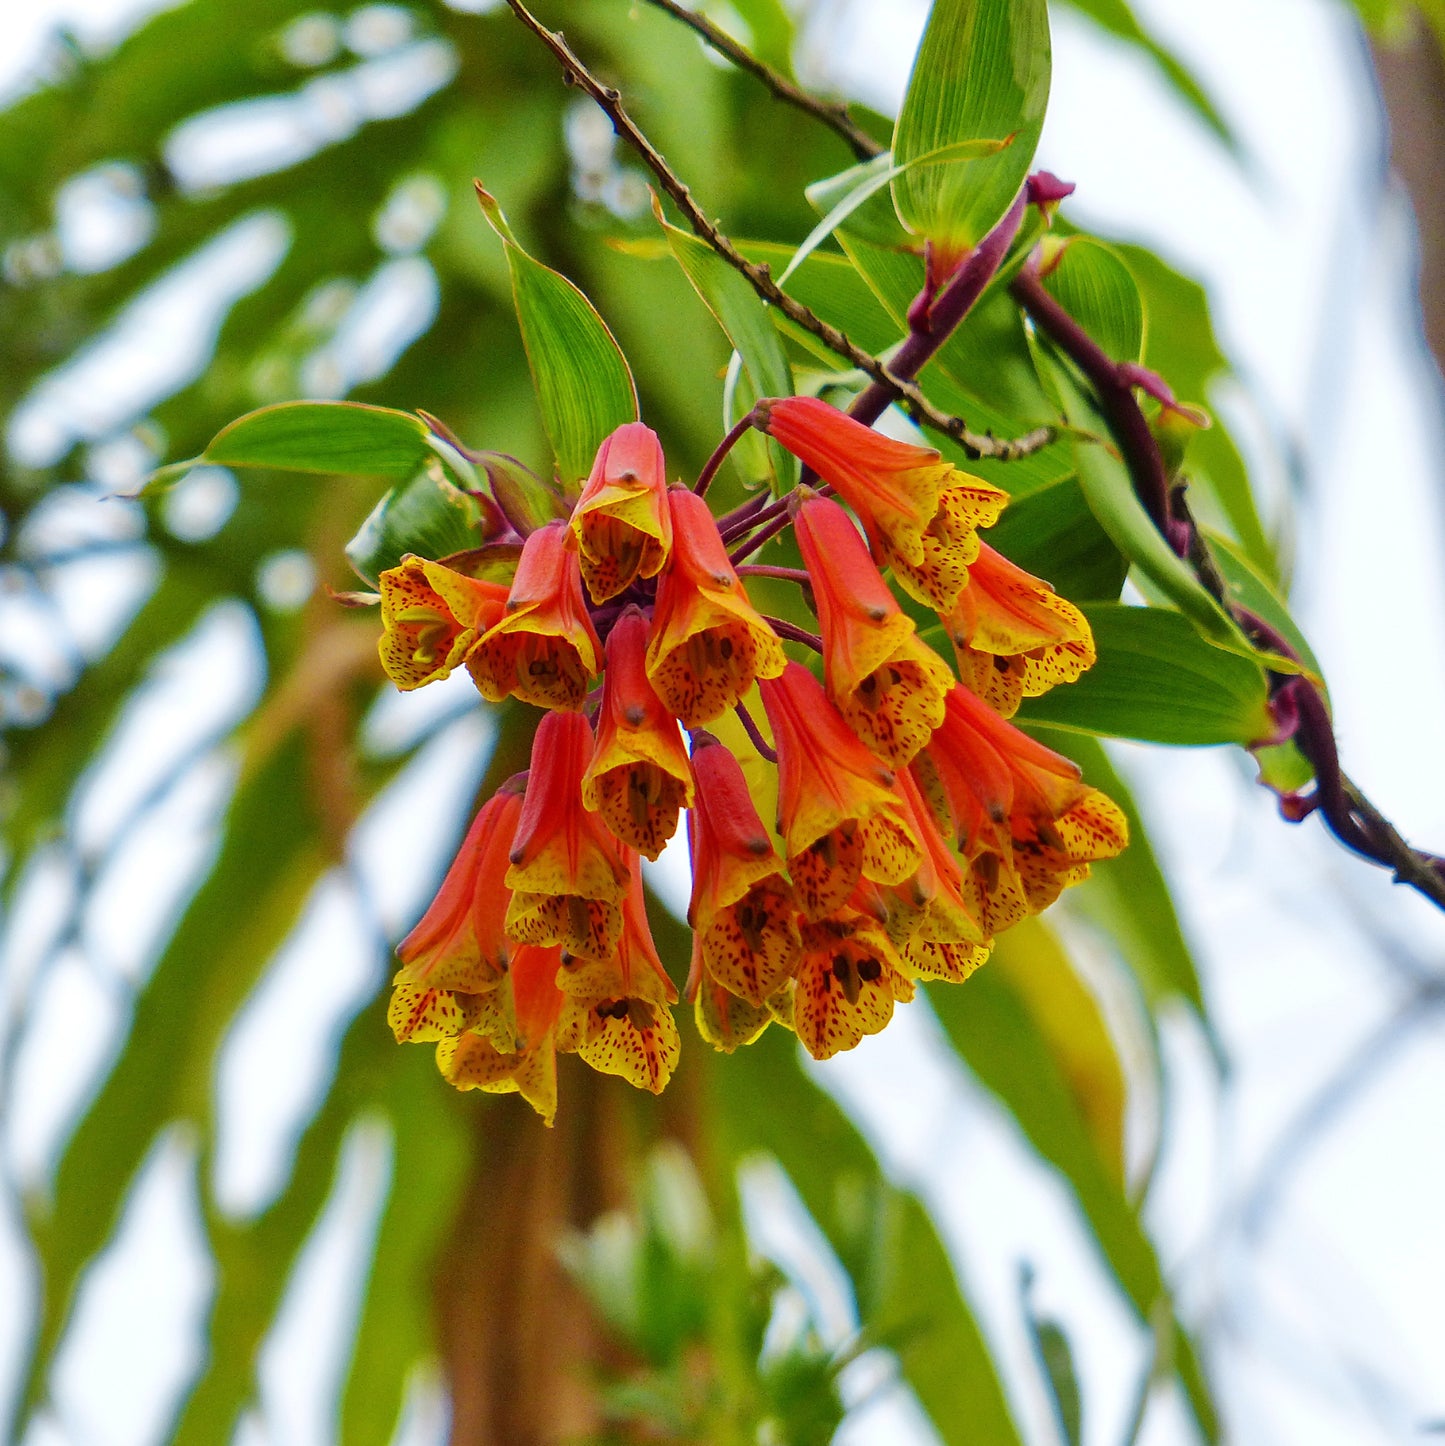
[(584, 386), (1157, 680), (982, 73)]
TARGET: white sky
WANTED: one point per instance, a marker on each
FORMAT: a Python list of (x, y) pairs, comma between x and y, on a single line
[(1308, 265)]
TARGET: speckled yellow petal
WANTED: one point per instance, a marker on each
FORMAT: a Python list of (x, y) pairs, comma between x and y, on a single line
[(634, 1039), (929, 959), (844, 987), (585, 926), (472, 1063), (896, 708), (417, 1015), (827, 871), (726, 1021), (939, 571), (751, 947)]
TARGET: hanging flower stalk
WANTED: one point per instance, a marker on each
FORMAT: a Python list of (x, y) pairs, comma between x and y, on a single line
[(907, 822)]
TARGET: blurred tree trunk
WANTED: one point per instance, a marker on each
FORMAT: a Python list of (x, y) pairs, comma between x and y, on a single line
[(1411, 75), (520, 1343)]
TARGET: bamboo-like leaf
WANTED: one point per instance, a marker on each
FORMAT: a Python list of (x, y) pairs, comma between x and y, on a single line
[(982, 72), (993, 1032), (1129, 897), (395, 1331), (909, 1295), (427, 515), (269, 861), (584, 387), (330, 437), (1093, 283), (1071, 1025)]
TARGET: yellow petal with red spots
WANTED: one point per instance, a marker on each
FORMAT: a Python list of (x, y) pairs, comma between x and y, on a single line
[(431, 616), (473, 1063), (708, 642), (1013, 636), (638, 779), (846, 985), (938, 573), (751, 947), (929, 959), (896, 708), (544, 650), (590, 928), (838, 811), (621, 523), (632, 1038), (418, 1015), (726, 1021)]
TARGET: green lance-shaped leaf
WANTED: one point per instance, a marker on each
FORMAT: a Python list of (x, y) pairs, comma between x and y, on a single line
[(745, 320), (429, 1162), (427, 515), (993, 1031), (1157, 680), (255, 1258), (908, 1294), (1056, 1361), (1093, 283), (584, 386), (1070, 1023), (348, 438), (1129, 897), (1051, 533), (982, 72), (270, 858)]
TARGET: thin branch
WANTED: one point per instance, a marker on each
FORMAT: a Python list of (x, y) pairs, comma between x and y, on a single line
[(1116, 399), (753, 732), (833, 114), (784, 629), (1350, 816), (759, 277), (710, 467), (776, 523), (766, 569)]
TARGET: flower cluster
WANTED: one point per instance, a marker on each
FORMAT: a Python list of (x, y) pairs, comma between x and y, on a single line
[(908, 824)]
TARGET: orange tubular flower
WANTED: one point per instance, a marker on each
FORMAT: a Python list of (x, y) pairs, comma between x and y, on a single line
[(473, 1061), (545, 649), (621, 522), (618, 1015), (708, 642), (887, 684), (1014, 637), (1025, 822), (848, 982), (638, 779), (460, 942), (921, 513), (431, 617), (940, 938), (567, 875), (745, 938), (837, 809)]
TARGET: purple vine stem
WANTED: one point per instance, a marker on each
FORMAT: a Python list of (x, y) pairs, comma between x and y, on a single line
[(754, 733), (933, 318), (710, 467)]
